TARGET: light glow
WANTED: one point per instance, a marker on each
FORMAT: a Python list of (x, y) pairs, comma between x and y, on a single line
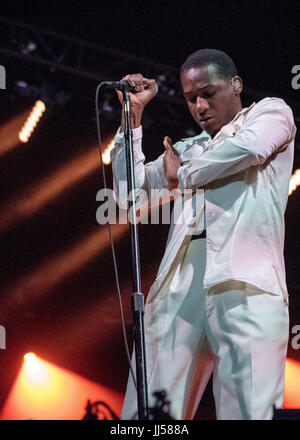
[(54, 270), (294, 181), (106, 153), (43, 391), (31, 121), (292, 385), (29, 357), (34, 370), (37, 195)]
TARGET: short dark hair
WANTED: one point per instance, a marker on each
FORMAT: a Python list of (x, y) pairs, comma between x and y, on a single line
[(224, 65)]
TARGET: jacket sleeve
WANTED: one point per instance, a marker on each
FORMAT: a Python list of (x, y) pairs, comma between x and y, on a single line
[(267, 127), (147, 176)]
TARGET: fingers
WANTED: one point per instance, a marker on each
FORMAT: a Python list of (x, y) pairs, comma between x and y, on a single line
[(169, 145), (150, 84), (139, 83), (144, 90), (136, 81)]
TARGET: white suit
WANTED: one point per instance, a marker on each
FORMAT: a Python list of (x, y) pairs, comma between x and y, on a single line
[(230, 285)]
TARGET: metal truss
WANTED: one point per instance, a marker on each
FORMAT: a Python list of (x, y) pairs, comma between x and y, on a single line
[(88, 61), (93, 63)]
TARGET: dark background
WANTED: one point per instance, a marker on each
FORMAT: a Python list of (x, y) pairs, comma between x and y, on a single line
[(76, 323)]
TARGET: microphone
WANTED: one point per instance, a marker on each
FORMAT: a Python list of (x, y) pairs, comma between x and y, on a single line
[(119, 85)]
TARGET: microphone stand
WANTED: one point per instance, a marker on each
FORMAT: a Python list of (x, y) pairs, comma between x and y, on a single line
[(137, 299)]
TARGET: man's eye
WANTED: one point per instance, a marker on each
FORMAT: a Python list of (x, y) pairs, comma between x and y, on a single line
[(208, 95)]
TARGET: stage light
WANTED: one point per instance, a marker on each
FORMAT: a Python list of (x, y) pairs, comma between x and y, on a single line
[(32, 121), (44, 391), (294, 181), (28, 47), (106, 153), (56, 269), (292, 385), (39, 194), (34, 370), (29, 357)]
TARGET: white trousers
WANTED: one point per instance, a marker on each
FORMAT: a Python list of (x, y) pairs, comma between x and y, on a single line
[(234, 330)]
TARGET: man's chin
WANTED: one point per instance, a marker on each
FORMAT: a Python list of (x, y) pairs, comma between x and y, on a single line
[(211, 131)]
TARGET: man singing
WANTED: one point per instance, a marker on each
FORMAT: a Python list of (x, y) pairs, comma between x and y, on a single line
[(219, 303)]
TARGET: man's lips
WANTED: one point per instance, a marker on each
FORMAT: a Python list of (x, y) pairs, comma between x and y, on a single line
[(205, 119)]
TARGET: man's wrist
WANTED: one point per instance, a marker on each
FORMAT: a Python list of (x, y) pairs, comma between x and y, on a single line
[(135, 119)]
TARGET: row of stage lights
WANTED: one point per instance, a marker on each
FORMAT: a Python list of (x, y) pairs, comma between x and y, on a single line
[(32, 121)]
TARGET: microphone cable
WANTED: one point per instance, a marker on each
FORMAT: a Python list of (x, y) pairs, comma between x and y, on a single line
[(111, 238)]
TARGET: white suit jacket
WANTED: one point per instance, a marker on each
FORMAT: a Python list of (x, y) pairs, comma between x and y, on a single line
[(243, 174)]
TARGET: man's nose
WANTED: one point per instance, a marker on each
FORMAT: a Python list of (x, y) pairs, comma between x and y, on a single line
[(202, 105)]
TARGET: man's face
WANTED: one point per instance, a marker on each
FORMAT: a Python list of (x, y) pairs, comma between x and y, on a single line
[(212, 100)]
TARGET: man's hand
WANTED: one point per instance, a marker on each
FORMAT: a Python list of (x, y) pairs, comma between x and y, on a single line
[(171, 163), (144, 90)]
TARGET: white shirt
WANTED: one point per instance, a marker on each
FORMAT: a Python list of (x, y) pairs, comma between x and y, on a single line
[(244, 172)]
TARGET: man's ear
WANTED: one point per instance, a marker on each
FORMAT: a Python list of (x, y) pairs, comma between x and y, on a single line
[(237, 84)]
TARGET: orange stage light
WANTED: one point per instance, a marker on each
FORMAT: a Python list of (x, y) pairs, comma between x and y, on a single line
[(106, 153), (34, 370), (292, 385), (43, 391), (29, 357), (54, 270), (38, 195), (294, 181)]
